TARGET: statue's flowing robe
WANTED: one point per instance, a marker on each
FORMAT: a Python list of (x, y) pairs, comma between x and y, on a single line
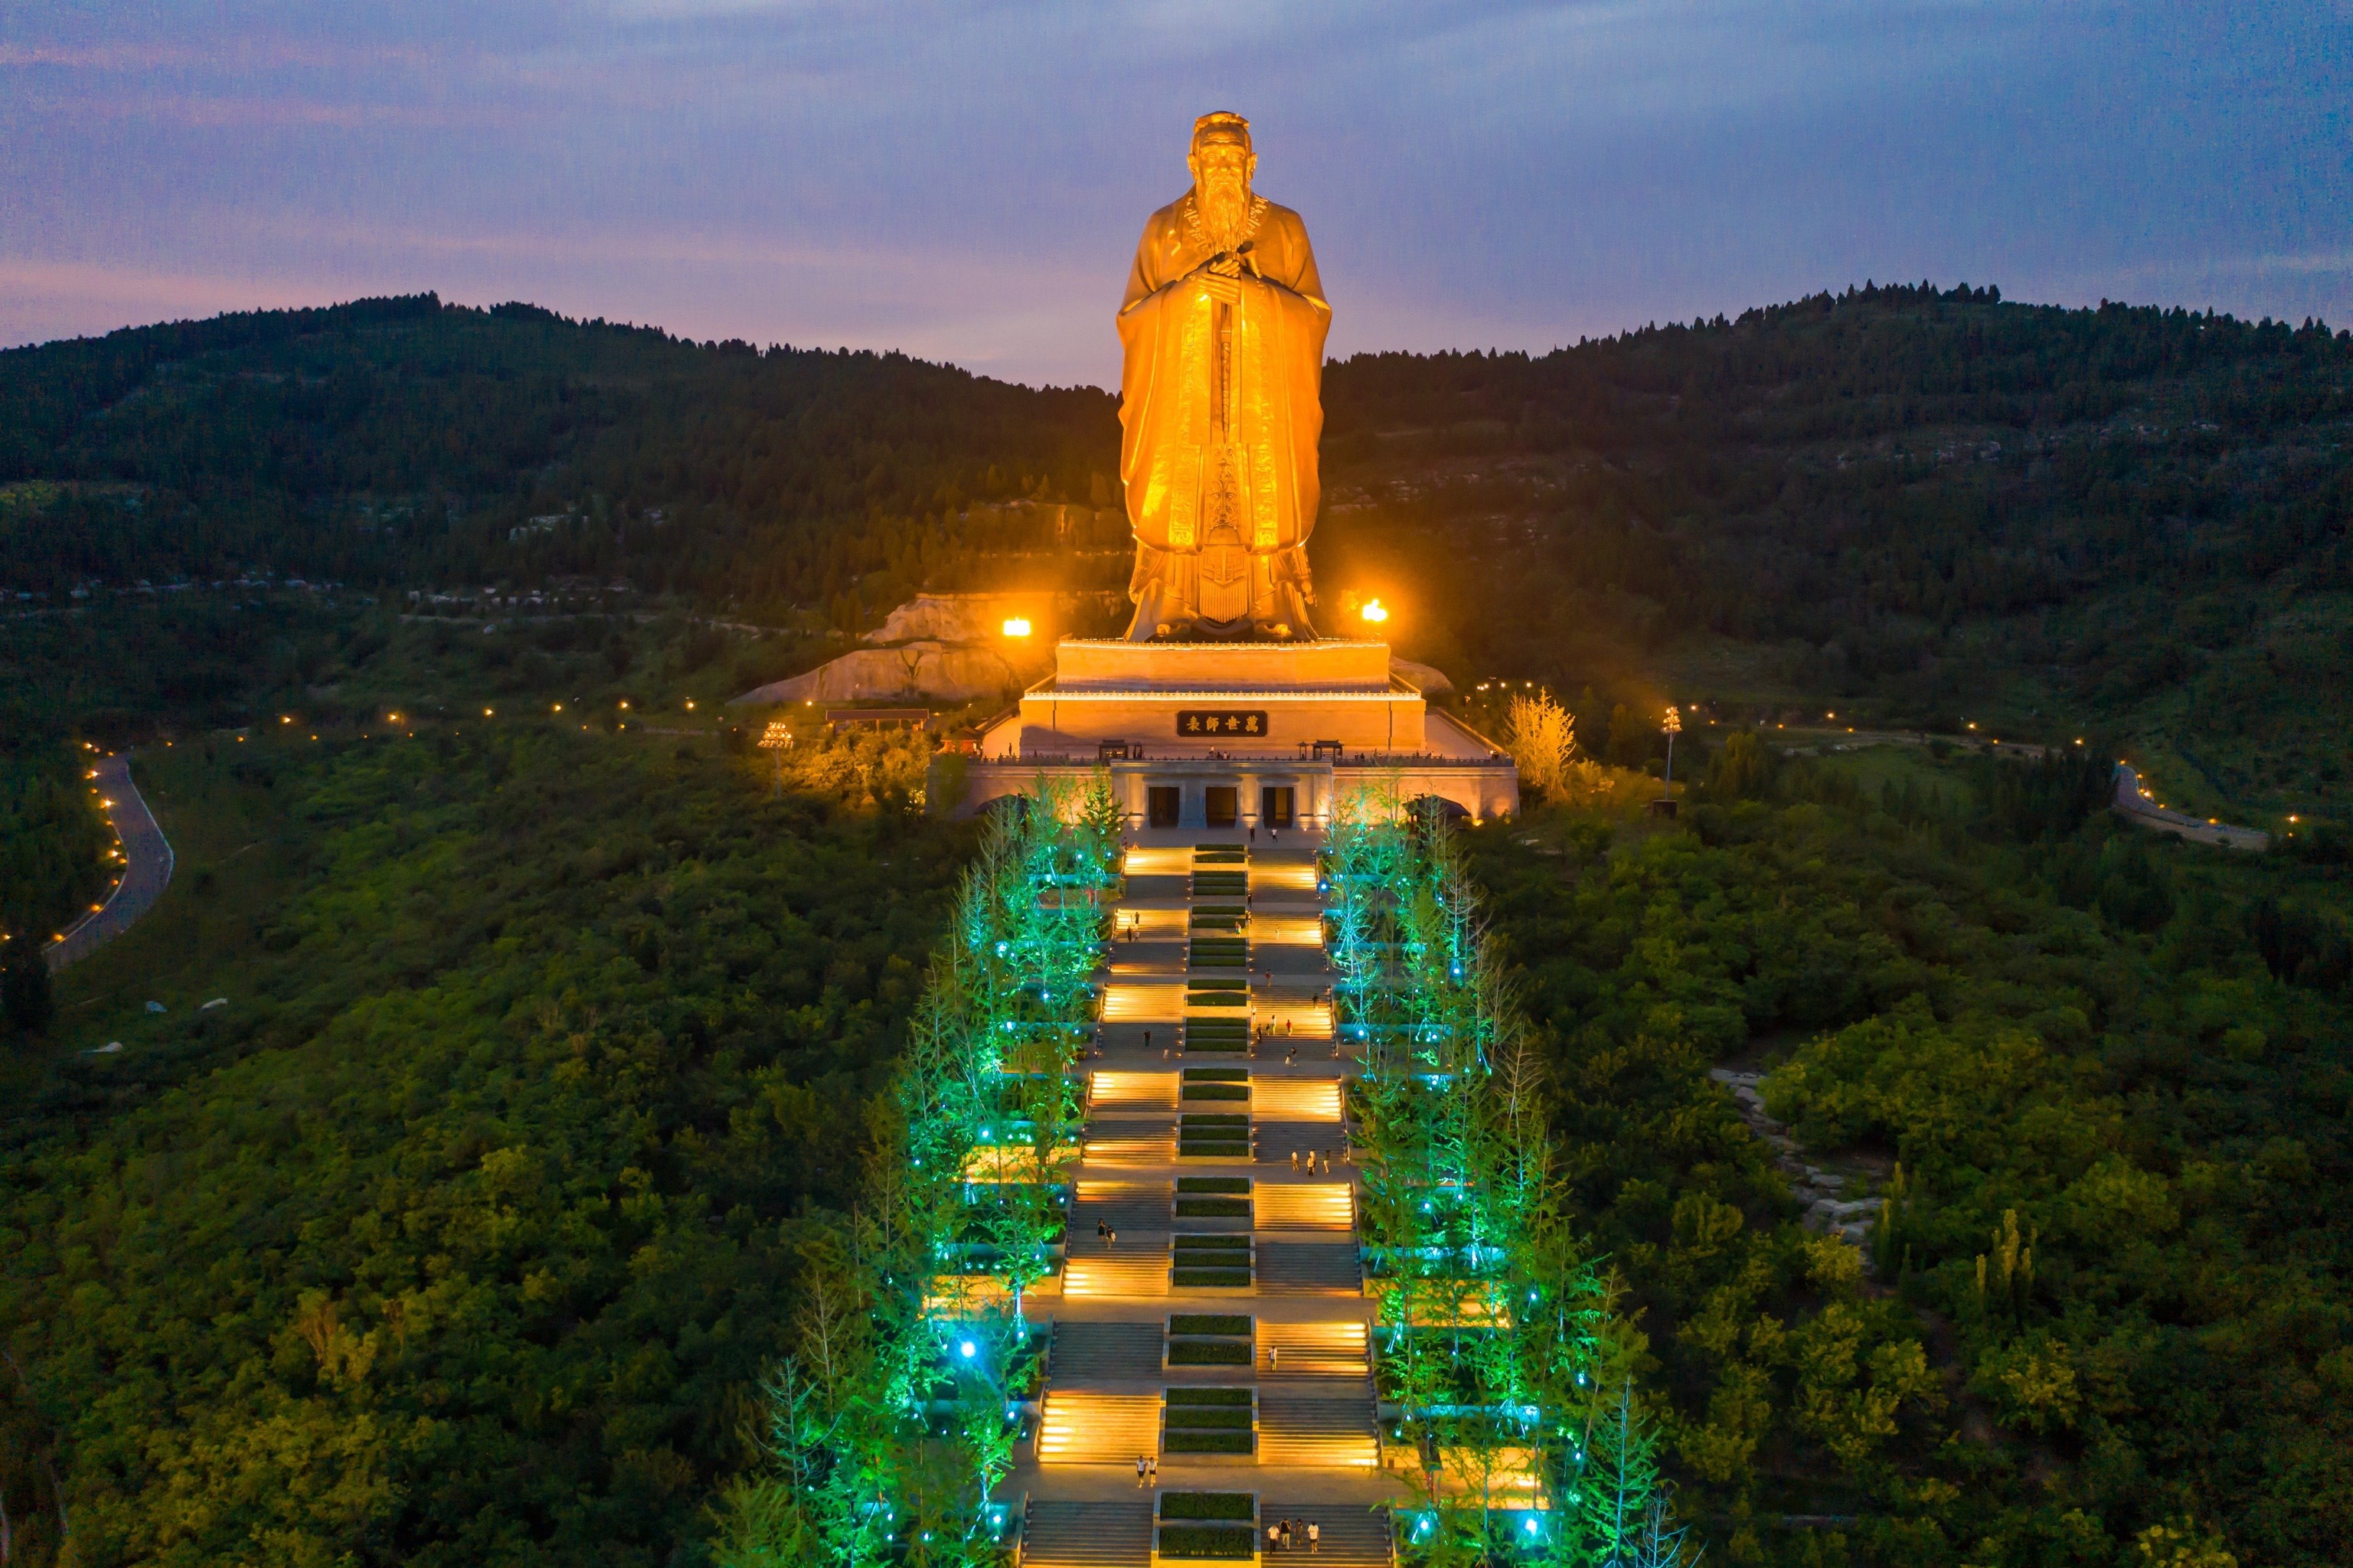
[(1171, 388)]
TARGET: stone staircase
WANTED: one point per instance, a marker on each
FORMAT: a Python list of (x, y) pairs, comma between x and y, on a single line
[(1089, 1534), (1134, 1142), (1107, 1352), (1314, 1429), (1308, 1268), (1299, 1394), (1303, 1205), (1121, 1273), (1352, 1537), (1080, 1428), (1118, 1091), (1338, 1349), (1295, 1099), (1123, 1205)]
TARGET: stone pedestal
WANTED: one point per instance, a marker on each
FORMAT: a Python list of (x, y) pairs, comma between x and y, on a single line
[(1214, 735)]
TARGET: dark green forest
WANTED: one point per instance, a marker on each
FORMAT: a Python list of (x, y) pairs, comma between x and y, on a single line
[(1931, 506), (2107, 1106), (463, 1230)]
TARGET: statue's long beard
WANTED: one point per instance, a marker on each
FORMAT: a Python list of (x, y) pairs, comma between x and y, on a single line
[(1224, 214)]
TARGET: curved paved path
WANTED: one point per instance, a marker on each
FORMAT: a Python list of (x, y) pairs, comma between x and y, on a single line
[(2135, 803), (143, 880)]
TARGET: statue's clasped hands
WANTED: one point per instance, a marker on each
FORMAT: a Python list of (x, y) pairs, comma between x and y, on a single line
[(1220, 277)]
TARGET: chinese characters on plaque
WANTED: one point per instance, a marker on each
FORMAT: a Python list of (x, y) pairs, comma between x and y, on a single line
[(1220, 723)]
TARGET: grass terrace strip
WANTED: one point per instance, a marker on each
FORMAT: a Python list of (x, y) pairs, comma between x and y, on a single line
[(1210, 1421), (1213, 1197), (1211, 1262), (1210, 1339), (1201, 1084), (1212, 1135)]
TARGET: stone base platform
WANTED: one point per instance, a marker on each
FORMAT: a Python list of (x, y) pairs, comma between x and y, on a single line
[(1234, 736)]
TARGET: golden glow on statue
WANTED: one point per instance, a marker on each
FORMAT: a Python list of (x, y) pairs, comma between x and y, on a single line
[(1222, 405)]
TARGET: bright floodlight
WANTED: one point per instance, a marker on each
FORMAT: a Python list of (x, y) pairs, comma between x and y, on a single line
[(1017, 627), (1375, 611), (776, 737), (969, 1349), (1674, 722)]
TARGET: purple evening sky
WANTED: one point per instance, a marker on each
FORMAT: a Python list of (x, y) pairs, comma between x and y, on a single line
[(966, 180)]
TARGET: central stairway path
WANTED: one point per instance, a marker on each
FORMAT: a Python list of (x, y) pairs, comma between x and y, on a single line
[(1216, 1140)]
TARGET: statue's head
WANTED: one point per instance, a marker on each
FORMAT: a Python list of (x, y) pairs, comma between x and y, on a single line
[(1221, 159)]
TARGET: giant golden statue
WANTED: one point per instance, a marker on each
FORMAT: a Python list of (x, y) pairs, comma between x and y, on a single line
[(1222, 405)]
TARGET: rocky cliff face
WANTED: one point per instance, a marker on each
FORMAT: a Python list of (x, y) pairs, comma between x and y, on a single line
[(911, 672)]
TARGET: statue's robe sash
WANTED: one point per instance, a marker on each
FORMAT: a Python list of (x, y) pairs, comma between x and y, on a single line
[(1169, 388)]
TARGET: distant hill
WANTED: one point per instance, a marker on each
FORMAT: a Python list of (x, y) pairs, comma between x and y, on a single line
[(406, 441), (1902, 504), (1927, 506)]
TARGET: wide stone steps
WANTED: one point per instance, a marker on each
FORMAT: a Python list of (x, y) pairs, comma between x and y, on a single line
[(1295, 1099), (1313, 1350), (1089, 1534), (1279, 1140), (1110, 1091), (1314, 1410), (1123, 1206), (1303, 1205), (1103, 1352), (1317, 1431), (1309, 1268), (1351, 1537), (1121, 1273), (1080, 1428), (1140, 1143)]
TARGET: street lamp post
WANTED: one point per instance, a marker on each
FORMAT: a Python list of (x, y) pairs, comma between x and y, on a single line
[(777, 738), (1673, 727)]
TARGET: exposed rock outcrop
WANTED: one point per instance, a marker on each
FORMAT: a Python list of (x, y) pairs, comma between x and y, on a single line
[(912, 672)]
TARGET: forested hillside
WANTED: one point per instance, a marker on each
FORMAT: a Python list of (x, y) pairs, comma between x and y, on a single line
[(396, 442), (2102, 1090), (1928, 506), (463, 1228), (1912, 506)]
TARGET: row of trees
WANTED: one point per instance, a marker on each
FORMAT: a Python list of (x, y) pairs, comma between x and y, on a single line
[(1496, 1340), (894, 1419)]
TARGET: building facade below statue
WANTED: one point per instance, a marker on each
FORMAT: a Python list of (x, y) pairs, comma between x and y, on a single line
[(1236, 735)]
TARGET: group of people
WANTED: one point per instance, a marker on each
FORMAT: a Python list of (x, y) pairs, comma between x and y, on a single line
[(1147, 1471), (1288, 1534), (1312, 1157)]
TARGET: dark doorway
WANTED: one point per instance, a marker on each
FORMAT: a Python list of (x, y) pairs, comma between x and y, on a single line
[(1276, 805), (1160, 805), (1221, 805)]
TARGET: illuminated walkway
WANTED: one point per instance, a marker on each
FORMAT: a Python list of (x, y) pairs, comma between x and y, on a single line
[(1211, 1314)]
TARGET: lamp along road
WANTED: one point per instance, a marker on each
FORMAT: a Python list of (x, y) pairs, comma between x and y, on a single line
[(147, 871)]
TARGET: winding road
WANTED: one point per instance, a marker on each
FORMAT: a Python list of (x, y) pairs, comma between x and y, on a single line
[(2135, 803), (148, 873)]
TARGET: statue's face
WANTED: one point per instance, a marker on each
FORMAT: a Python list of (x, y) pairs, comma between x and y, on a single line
[(1223, 168)]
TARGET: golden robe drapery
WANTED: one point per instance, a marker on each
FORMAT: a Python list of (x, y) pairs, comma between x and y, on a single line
[(1245, 388)]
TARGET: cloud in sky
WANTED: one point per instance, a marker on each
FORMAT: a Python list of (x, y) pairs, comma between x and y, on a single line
[(966, 180)]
